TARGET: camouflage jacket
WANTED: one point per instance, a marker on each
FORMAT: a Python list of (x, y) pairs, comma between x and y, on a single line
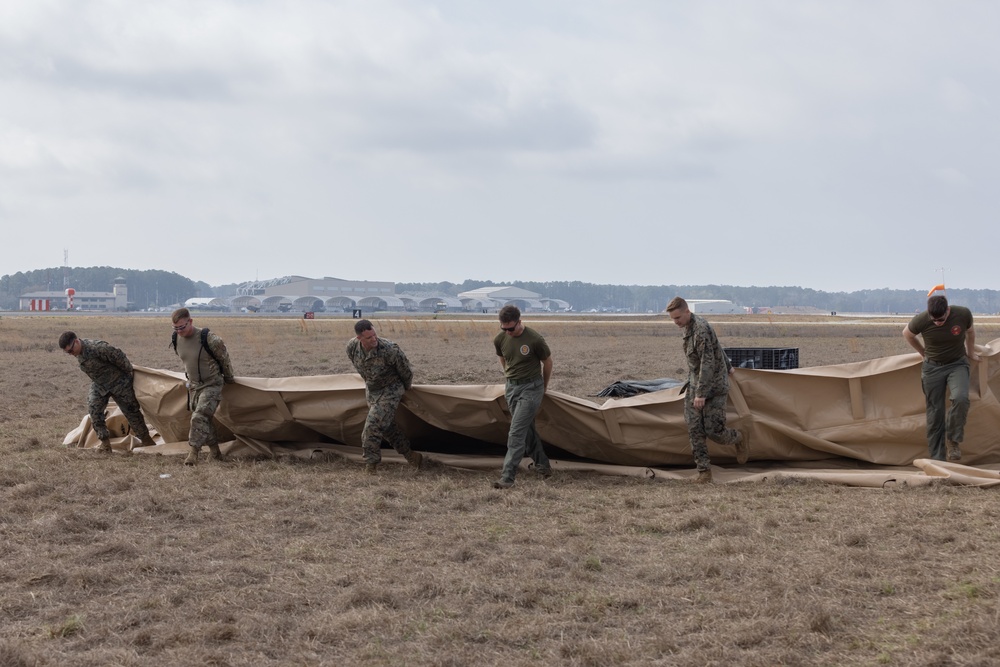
[(381, 367), (708, 365), (104, 364)]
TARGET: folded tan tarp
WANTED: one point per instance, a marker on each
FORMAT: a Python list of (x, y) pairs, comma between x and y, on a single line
[(869, 412)]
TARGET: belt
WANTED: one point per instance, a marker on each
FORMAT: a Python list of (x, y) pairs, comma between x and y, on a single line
[(943, 363), (520, 382)]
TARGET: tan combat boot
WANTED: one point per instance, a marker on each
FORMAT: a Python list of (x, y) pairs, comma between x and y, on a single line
[(743, 447), (415, 459), (192, 457), (954, 451), (216, 453), (105, 446), (371, 468), (704, 477)]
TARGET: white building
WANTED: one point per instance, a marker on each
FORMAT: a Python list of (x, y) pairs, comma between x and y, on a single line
[(70, 299), (498, 296), (714, 306), (299, 293)]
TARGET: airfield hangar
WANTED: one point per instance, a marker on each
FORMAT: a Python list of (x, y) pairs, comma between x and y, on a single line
[(302, 294)]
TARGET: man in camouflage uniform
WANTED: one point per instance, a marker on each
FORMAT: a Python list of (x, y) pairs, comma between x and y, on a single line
[(208, 368), (110, 373), (707, 390), (387, 375)]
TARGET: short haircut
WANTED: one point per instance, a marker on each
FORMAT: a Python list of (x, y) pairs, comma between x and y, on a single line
[(937, 306), (180, 314), (362, 326), (676, 303), (510, 314), (66, 338)]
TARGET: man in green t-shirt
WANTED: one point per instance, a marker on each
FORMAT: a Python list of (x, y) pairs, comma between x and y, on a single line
[(949, 342), (527, 366)]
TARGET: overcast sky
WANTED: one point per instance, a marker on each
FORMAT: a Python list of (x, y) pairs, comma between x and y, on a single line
[(832, 145)]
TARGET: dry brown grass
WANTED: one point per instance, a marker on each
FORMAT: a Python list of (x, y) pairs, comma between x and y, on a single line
[(261, 563)]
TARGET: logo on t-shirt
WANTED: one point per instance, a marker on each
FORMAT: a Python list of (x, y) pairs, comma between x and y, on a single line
[(956, 330), (525, 350)]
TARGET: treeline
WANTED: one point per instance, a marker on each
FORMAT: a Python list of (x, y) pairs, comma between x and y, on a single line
[(146, 289), (153, 288), (643, 298)]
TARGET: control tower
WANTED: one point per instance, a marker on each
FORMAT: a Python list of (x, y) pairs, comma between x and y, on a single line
[(120, 290)]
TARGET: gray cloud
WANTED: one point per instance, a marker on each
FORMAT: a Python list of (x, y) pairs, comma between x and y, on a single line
[(809, 137)]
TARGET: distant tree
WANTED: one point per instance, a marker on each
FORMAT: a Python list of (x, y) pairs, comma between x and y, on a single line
[(225, 291)]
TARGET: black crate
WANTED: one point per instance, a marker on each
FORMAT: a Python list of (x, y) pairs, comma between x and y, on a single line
[(770, 358)]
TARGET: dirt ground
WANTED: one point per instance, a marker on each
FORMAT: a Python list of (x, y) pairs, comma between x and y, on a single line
[(141, 561)]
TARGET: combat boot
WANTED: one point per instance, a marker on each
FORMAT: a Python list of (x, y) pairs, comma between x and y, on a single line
[(743, 447), (192, 457), (415, 459), (371, 468), (147, 442), (105, 446), (954, 451), (704, 477), (216, 453)]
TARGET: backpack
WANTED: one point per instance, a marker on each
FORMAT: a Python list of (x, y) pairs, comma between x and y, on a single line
[(204, 346)]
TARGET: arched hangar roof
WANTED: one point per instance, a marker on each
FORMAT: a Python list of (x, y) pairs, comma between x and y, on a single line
[(383, 302)]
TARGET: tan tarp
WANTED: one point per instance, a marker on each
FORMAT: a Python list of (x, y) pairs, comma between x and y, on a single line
[(829, 422)]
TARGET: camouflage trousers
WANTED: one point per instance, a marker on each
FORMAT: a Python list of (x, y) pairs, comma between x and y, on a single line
[(203, 403), (124, 395), (381, 423), (708, 423), (941, 382), (524, 400)]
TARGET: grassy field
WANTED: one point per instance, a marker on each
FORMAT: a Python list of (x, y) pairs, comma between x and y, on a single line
[(141, 561)]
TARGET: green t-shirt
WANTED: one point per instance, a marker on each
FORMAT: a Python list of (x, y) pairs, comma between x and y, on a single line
[(943, 343), (523, 355)]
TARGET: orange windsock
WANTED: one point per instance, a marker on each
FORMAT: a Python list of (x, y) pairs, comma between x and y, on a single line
[(936, 288)]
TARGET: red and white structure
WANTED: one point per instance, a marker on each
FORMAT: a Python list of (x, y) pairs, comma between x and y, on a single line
[(74, 300)]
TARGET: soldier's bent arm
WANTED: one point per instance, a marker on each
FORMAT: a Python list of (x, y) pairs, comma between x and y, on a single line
[(403, 368), (912, 340), (707, 372), (222, 354)]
